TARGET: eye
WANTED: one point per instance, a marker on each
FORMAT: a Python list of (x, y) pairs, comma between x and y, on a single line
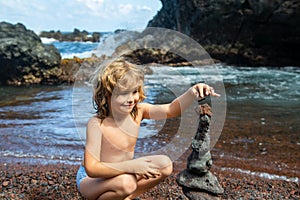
[(135, 91), (124, 94)]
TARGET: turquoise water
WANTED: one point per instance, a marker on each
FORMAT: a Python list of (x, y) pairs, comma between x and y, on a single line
[(78, 49)]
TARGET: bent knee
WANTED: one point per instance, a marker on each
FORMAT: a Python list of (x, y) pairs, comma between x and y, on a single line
[(166, 166), (167, 171), (127, 184)]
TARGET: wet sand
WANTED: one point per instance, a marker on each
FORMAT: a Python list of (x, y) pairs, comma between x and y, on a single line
[(261, 140)]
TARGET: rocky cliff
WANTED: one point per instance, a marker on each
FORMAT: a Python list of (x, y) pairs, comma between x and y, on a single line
[(241, 32), (24, 59)]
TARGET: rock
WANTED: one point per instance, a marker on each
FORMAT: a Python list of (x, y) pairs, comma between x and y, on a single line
[(76, 35), (48, 176), (198, 195), (51, 182), (9, 175), (18, 173), (199, 164), (241, 32), (24, 59), (155, 45), (206, 183), (34, 182), (5, 183)]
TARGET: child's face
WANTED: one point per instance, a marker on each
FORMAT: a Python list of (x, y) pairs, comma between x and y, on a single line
[(123, 100)]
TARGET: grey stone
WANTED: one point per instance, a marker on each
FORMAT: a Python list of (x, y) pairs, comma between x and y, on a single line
[(199, 165), (198, 195), (208, 182)]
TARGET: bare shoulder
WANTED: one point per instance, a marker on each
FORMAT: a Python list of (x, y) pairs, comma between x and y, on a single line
[(94, 122), (143, 109)]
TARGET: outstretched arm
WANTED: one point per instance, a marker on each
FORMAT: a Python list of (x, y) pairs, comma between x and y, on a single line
[(178, 105)]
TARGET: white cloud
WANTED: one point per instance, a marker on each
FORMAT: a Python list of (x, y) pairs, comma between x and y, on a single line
[(95, 6), (144, 8), (91, 15), (125, 9)]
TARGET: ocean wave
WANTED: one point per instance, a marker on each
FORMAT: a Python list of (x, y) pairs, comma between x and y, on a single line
[(262, 174), (86, 54), (48, 40), (21, 154)]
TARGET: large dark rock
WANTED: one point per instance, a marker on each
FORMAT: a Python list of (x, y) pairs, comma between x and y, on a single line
[(161, 46), (24, 60), (242, 32)]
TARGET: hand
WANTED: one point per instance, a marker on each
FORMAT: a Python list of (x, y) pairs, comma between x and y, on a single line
[(201, 90), (145, 168)]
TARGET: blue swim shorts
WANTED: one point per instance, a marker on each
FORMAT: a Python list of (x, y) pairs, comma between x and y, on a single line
[(81, 174)]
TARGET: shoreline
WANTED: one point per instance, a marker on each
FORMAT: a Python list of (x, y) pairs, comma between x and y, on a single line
[(57, 181), (246, 145)]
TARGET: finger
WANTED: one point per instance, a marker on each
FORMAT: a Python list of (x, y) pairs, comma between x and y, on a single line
[(150, 175), (213, 93), (207, 90), (155, 172), (145, 176), (154, 175), (199, 89)]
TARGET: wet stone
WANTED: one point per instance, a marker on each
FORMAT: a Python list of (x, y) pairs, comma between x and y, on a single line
[(8, 175), (48, 176), (18, 173), (5, 183), (199, 165), (51, 182), (208, 182), (199, 195)]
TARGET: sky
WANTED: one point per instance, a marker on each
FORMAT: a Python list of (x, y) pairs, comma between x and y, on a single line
[(89, 15)]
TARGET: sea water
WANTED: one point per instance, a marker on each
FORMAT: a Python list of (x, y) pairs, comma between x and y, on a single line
[(38, 123)]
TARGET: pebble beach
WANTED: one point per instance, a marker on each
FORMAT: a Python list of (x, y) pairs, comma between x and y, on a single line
[(38, 182)]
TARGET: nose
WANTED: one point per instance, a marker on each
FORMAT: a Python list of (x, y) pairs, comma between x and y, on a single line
[(130, 98)]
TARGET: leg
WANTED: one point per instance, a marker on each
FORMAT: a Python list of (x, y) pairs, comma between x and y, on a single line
[(166, 168), (118, 187)]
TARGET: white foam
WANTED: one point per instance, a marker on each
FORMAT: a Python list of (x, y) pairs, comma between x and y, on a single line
[(262, 174), (48, 40), (86, 54), (21, 154)]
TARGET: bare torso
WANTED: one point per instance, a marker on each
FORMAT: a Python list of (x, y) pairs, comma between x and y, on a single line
[(118, 139), (117, 144)]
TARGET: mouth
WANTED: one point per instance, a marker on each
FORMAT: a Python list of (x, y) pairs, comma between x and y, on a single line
[(129, 105)]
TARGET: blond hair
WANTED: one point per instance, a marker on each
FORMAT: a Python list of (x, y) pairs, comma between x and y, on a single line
[(116, 74)]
